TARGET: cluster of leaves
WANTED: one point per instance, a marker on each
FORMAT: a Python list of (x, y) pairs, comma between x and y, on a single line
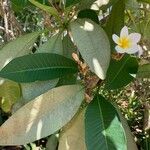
[(44, 89)]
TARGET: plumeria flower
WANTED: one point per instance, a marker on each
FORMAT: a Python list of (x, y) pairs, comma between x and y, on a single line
[(127, 43)]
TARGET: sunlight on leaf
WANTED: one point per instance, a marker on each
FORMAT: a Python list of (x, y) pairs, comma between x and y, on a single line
[(93, 44), (98, 68), (39, 129), (42, 116), (10, 93), (88, 26), (72, 137), (17, 47)]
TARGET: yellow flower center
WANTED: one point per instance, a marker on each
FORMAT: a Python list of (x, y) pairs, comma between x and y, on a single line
[(124, 42)]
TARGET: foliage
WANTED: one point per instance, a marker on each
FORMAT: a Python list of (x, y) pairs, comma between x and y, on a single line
[(64, 79)]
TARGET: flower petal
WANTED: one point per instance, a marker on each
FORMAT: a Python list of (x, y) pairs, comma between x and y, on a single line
[(124, 32), (140, 52), (119, 49), (135, 37), (115, 38), (134, 49)]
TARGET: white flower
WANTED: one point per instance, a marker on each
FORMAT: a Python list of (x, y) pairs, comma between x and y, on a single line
[(127, 43), (140, 52)]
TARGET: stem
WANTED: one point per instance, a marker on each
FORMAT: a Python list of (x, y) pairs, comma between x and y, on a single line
[(6, 16)]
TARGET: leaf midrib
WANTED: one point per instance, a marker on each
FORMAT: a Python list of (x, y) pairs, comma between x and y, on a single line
[(39, 69)]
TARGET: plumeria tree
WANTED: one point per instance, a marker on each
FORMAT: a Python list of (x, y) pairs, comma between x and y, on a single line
[(56, 81)]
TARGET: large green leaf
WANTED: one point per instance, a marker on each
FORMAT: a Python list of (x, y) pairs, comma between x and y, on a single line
[(58, 45), (115, 21), (144, 71), (48, 9), (17, 47), (68, 47), (53, 45), (18, 5), (73, 134), (103, 129), (93, 45), (68, 80), (122, 72), (42, 116), (41, 66), (32, 90), (130, 140), (10, 93), (64, 47)]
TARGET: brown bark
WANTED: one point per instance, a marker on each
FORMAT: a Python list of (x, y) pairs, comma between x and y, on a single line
[(11, 27)]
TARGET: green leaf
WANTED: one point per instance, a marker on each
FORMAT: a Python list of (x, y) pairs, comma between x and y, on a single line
[(17, 5), (52, 142), (86, 4), (90, 14), (10, 93), (144, 71), (20, 103), (58, 45), (32, 90), (120, 73), (71, 2), (67, 80), (115, 21), (103, 129), (41, 66), (73, 134), (93, 44), (18, 47), (146, 143), (130, 140), (42, 116), (68, 47), (45, 8), (53, 45)]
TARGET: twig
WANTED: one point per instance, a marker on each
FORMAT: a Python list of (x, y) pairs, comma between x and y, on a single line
[(3, 29), (6, 16)]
